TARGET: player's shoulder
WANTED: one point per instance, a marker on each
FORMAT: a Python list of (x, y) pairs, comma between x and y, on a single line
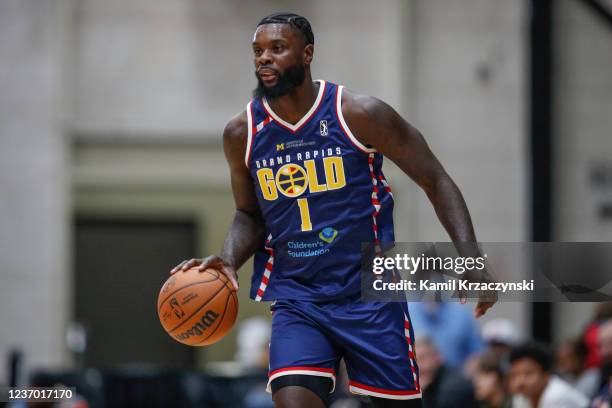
[(236, 129), (361, 108), (235, 136)]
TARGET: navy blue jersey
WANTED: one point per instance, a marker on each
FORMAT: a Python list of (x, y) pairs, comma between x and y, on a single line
[(322, 194)]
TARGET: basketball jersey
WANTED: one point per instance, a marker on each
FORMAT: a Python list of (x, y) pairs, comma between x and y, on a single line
[(322, 194)]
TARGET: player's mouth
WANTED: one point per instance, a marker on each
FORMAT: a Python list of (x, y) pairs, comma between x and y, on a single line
[(267, 75)]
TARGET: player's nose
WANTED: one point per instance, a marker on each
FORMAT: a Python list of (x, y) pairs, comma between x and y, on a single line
[(265, 58)]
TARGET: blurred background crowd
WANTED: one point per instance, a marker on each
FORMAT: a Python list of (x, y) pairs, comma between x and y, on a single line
[(497, 367), (460, 365), (112, 171)]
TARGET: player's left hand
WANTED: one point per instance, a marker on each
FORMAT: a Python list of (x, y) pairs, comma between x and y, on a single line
[(482, 307), (486, 299), (485, 302)]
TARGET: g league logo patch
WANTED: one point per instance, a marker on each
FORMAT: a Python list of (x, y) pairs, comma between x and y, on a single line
[(323, 129)]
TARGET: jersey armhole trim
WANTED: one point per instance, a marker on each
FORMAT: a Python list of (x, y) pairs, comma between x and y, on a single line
[(344, 125), (249, 145)]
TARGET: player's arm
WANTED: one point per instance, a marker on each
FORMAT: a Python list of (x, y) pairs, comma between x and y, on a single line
[(378, 125), (246, 232)]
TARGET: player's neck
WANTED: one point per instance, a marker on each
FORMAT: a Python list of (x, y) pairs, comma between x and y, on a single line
[(293, 106)]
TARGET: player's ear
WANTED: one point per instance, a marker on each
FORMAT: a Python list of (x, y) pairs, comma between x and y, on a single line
[(308, 54)]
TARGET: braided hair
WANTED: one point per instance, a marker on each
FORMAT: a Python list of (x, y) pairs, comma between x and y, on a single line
[(297, 22)]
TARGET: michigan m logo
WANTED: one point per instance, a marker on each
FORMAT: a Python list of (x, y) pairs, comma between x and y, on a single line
[(280, 146)]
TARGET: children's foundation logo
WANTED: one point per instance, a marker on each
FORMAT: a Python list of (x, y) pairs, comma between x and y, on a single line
[(328, 234)]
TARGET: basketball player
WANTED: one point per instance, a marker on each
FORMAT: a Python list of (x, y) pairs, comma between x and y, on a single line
[(306, 170)]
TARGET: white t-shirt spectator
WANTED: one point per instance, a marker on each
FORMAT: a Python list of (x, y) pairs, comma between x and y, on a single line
[(557, 394)]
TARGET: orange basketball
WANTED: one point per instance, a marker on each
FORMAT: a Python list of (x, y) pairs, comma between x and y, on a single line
[(197, 308)]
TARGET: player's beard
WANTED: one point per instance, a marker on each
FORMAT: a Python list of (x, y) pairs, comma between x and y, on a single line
[(285, 84)]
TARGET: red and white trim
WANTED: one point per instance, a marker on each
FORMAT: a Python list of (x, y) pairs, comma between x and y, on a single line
[(375, 204), (249, 146), (265, 279), (295, 127), (252, 130), (345, 127), (411, 356), (383, 180), (261, 125), (364, 389), (302, 370), (358, 388)]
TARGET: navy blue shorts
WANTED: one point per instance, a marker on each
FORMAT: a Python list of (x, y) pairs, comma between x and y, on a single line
[(375, 339)]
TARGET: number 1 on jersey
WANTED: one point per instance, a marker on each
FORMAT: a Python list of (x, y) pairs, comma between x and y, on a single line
[(304, 214)]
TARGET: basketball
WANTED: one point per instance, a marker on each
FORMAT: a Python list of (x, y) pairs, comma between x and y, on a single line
[(197, 308)]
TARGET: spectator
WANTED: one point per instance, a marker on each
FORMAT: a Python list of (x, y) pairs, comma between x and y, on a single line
[(604, 398), (570, 360), (442, 385), (533, 384), (489, 383), (500, 335), (603, 312), (453, 328), (253, 339)]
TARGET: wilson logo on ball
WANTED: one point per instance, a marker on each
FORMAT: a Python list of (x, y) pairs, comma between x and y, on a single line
[(196, 330)]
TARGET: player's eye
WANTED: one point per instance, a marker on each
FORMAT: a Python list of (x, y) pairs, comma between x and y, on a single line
[(257, 52), (278, 48)]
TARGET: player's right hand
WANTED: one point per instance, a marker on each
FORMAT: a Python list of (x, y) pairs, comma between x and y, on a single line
[(214, 262)]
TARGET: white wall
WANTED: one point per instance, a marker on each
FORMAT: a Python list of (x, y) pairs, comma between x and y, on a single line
[(583, 111), (34, 205), (475, 126), (467, 95), (181, 69), (583, 108)]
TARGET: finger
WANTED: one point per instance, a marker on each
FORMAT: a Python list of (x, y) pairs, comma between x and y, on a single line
[(210, 262), (478, 311), (231, 274), (482, 309), (177, 268), (190, 264)]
